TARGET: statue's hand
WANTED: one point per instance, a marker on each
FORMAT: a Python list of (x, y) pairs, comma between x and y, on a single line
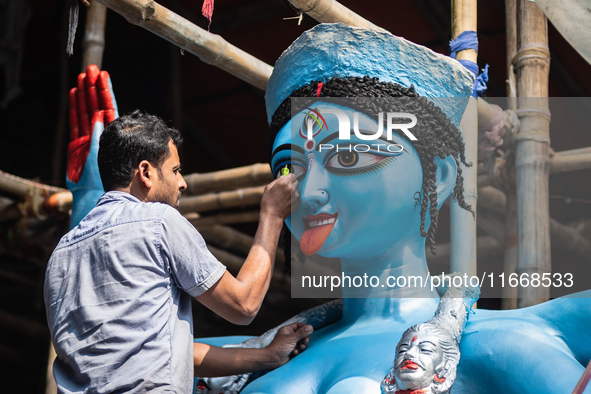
[(92, 107)]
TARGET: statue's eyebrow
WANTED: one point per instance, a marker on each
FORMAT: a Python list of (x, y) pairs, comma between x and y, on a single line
[(328, 138), (288, 147), (428, 342), (365, 132)]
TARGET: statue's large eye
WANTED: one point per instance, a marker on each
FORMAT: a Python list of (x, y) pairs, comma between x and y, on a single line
[(351, 161), (294, 168), (348, 159)]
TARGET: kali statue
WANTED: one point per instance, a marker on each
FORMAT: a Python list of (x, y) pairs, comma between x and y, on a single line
[(374, 209)]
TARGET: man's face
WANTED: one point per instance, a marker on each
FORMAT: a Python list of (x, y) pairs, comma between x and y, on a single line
[(169, 182)]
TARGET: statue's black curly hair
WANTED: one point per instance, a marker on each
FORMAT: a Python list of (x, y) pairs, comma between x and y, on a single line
[(436, 135)]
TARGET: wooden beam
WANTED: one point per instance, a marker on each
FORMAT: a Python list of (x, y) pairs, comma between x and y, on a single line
[(93, 44), (210, 48), (510, 258), (234, 263), (235, 178), (576, 159), (222, 200), (331, 11), (223, 218), (463, 223), (25, 326), (228, 238), (464, 16), (532, 62), (561, 236)]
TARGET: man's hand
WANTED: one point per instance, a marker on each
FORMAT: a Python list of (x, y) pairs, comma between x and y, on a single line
[(213, 361), (289, 341), (281, 197)]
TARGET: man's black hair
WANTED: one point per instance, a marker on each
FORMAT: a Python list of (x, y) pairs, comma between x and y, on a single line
[(130, 139), (437, 136)]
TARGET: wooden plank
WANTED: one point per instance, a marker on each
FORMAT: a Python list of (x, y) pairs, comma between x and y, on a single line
[(210, 48)]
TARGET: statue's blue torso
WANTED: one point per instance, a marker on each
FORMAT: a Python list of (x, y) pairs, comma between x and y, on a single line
[(534, 350)]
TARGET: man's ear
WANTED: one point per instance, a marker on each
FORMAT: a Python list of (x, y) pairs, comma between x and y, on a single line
[(445, 178), (146, 173)]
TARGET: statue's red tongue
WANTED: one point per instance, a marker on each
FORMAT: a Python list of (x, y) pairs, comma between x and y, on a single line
[(313, 239)]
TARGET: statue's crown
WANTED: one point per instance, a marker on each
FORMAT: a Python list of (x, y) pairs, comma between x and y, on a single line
[(338, 50)]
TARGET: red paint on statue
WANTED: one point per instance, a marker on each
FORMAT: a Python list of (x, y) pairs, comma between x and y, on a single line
[(438, 379), (409, 365), (319, 89)]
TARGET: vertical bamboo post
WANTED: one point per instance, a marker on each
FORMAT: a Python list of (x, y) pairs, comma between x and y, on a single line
[(93, 47), (176, 91), (94, 36), (62, 119), (50, 385), (510, 293), (463, 225), (532, 62)]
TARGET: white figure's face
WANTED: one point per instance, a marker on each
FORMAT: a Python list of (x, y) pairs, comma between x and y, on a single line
[(419, 360)]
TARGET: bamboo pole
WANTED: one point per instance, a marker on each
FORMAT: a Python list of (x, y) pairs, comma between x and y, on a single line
[(228, 238), (561, 236), (567, 160), (493, 199), (234, 263), (50, 384), (210, 48), (532, 62), (18, 357), (61, 128), (21, 187), (492, 223), (463, 225), (223, 200), (247, 176), (562, 162), (510, 259), (463, 18), (487, 247), (94, 36), (223, 218), (17, 278), (213, 49), (25, 326), (331, 11)]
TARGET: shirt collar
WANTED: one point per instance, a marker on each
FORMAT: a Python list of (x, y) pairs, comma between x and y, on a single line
[(116, 195)]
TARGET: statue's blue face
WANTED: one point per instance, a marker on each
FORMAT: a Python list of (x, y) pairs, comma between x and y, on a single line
[(358, 198)]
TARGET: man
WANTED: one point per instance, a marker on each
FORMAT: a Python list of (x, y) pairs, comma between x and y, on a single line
[(117, 286)]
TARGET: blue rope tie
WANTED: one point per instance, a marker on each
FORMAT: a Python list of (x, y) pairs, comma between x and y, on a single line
[(469, 40)]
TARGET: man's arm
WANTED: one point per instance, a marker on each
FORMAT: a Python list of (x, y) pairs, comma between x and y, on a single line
[(238, 299), (213, 361)]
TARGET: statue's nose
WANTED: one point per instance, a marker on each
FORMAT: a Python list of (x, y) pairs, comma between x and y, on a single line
[(314, 197), (411, 353), (313, 191)]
